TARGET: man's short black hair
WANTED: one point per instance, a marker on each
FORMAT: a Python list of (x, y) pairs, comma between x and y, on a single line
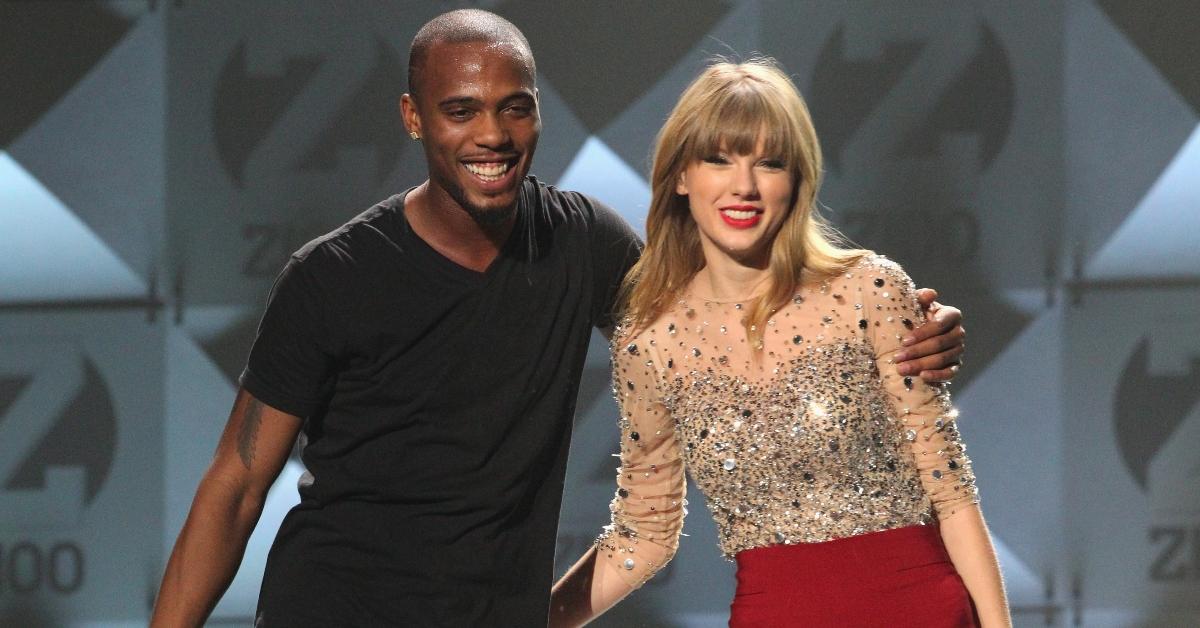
[(460, 27)]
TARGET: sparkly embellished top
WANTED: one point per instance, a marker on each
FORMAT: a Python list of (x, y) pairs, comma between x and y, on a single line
[(818, 438)]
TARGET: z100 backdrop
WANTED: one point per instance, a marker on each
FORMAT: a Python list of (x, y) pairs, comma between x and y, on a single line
[(1036, 162)]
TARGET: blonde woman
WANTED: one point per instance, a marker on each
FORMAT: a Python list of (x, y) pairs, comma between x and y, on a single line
[(757, 352)]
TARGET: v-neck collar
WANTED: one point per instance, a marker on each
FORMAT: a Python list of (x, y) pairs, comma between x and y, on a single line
[(516, 237)]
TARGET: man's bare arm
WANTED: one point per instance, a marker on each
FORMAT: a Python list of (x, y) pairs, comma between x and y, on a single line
[(252, 451)]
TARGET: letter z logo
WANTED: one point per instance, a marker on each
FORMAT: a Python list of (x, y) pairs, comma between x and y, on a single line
[(57, 432)]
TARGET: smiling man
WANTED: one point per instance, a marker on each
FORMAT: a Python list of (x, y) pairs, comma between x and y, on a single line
[(427, 354)]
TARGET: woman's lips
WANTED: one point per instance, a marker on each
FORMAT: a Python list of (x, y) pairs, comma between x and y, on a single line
[(741, 217)]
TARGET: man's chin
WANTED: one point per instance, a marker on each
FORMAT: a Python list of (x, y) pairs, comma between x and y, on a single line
[(485, 209), (490, 216)]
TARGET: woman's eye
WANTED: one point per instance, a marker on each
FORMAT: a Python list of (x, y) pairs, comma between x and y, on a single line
[(716, 159), (774, 164)]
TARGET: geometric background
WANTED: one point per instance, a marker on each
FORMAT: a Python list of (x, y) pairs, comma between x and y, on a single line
[(1036, 162)]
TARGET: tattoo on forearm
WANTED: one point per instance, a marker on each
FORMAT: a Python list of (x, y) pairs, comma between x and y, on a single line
[(248, 434)]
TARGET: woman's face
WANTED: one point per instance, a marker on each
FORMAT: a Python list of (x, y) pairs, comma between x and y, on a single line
[(738, 202)]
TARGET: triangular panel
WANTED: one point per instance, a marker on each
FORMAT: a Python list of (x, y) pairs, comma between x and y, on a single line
[(45, 47), (52, 255), (102, 147), (599, 172), (1159, 240), (1165, 32), (1124, 125)]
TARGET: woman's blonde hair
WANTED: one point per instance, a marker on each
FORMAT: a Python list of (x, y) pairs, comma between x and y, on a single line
[(729, 108)]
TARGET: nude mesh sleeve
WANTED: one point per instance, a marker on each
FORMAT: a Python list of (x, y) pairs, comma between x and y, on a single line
[(924, 410), (647, 510)]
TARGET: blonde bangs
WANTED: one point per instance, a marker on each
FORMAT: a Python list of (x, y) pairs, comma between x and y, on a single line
[(736, 119)]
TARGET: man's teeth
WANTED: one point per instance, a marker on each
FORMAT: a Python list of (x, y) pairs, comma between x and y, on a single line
[(488, 171), (740, 214)]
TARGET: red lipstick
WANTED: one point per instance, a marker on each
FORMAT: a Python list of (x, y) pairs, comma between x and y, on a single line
[(741, 216)]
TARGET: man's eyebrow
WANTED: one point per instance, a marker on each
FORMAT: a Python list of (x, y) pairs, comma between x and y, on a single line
[(471, 101), (459, 100), (518, 96)]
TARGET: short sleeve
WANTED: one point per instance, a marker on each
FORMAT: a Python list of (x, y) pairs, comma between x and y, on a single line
[(615, 249), (647, 510), (290, 367), (924, 410)]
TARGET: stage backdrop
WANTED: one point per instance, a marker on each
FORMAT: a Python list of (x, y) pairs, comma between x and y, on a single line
[(1036, 162)]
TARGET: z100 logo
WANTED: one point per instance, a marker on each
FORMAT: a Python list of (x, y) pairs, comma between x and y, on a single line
[(58, 435), (26, 567), (281, 108), (959, 81), (1156, 428), (1178, 557)]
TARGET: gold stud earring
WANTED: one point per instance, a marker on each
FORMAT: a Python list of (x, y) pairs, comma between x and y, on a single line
[(414, 135)]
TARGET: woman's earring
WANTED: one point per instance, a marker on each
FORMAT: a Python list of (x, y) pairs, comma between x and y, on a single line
[(414, 135)]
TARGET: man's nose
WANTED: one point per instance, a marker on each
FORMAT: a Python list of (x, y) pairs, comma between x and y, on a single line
[(492, 131)]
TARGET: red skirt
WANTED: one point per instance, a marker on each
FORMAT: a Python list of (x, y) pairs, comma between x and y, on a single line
[(894, 578)]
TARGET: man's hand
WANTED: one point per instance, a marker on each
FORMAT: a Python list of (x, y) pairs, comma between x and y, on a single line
[(933, 350)]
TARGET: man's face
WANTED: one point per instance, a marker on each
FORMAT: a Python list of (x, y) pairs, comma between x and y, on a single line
[(477, 113)]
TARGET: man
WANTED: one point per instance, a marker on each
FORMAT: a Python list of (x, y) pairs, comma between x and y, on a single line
[(427, 354)]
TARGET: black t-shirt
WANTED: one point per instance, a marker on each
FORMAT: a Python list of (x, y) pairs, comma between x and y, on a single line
[(438, 405)]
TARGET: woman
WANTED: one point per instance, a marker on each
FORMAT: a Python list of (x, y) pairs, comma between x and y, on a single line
[(756, 351)]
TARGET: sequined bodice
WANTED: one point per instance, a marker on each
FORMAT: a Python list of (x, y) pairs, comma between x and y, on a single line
[(808, 437), (811, 454)]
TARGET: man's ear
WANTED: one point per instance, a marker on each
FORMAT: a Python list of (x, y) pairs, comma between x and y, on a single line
[(681, 184), (409, 115)]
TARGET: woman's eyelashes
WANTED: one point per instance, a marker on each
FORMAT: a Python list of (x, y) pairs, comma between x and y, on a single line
[(723, 160)]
